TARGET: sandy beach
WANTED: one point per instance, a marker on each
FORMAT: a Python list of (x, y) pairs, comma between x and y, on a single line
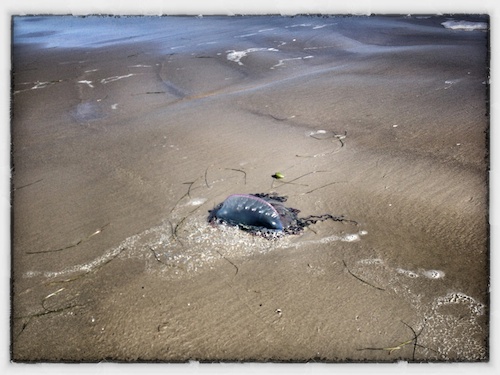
[(124, 140)]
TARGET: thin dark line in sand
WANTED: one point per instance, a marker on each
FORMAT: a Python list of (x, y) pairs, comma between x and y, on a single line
[(46, 312), (205, 175), (80, 241), (359, 278), (50, 296), (31, 183), (173, 232), (234, 265), (149, 92), (297, 178), (260, 114), (25, 324), (176, 228), (278, 118), (206, 180), (321, 187), (187, 194), (178, 225), (338, 137), (189, 188), (414, 340), (181, 222), (238, 170), (37, 315)]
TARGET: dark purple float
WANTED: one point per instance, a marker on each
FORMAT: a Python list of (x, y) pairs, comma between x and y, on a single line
[(263, 214)]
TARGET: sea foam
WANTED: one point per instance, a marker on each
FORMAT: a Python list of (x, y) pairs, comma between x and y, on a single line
[(236, 56), (465, 25)]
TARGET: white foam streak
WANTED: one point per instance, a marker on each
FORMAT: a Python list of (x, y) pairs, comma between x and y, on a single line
[(38, 85), (89, 83), (86, 267), (299, 25), (245, 35), (282, 61), (196, 202), (115, 78), (236, 56)]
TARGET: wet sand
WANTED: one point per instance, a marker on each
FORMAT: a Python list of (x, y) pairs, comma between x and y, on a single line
[(120, 151)]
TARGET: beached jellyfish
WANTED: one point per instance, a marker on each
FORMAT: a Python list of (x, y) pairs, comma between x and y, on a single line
[(264, 214)]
